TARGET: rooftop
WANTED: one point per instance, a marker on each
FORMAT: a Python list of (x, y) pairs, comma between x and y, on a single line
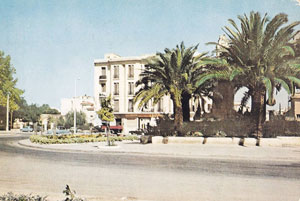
[(114, 58)]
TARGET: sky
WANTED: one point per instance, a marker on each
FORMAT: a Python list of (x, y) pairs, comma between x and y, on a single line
[(53, 42)]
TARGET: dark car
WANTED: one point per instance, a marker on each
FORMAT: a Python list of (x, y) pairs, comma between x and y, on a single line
[(97, 129)]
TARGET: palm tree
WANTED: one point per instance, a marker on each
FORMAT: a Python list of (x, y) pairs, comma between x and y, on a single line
[(174, 73), (260, 48)]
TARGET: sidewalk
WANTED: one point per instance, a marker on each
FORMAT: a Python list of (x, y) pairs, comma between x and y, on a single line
[(212, 151)]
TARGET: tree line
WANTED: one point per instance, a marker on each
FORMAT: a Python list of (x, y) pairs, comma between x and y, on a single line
[(18, 107)]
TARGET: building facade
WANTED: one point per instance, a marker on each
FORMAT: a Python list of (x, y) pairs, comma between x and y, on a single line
[(116, 76), (83, 104)]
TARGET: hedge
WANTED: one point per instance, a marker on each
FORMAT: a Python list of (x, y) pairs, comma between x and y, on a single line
[(68, 139)]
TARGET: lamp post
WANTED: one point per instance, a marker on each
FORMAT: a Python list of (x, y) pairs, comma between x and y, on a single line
[(74, 105), (7, 113)]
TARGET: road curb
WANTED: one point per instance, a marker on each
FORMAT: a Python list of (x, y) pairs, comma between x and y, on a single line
[(99, 151), (152, 154), (262, 142)]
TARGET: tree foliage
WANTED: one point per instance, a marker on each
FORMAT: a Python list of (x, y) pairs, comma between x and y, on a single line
[(106, 111), (264, 61), (32, 112), (175, 73), (8, 83), (80, 119)]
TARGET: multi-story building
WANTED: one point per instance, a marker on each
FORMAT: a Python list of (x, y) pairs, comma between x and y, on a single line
[(116, 76)]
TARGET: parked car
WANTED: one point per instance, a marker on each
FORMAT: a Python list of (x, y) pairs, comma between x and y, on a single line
[(59, 130), (77, 130), (27, 129), (137, 132)]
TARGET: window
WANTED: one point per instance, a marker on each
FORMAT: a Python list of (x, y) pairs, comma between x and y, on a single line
[(116, 88), (130, 88), (116, 72), (160, 106), (130, 105), (118, 122), (103, 87), (103, 71), (116, 105), (130, 71)]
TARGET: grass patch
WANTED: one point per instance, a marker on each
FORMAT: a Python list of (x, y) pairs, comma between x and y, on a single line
[(68, 139)]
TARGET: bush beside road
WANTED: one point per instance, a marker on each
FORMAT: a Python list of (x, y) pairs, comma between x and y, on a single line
[(68, 139)]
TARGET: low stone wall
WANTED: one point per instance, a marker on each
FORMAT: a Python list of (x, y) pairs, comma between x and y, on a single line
[(264, 142), (289, 141)]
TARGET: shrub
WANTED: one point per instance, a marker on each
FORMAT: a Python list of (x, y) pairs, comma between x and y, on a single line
[(15, 197), (237, 126), (281, 127), (231, 127), (67, 139), (70, 196)]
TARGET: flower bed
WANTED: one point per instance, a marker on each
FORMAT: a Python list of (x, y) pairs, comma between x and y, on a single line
[(68, 139)]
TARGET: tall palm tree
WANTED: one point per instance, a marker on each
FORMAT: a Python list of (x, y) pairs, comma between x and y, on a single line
[(260, 48), (173, 73)]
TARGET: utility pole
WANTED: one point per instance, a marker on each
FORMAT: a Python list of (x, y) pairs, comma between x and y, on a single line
[(7, 113)]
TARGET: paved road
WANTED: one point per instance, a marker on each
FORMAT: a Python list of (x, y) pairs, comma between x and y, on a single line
[(144, 177)]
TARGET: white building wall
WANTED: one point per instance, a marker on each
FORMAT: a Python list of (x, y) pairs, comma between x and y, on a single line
[(130, 120), (83, 104)]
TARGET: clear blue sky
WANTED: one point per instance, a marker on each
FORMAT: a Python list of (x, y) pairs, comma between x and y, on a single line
[(52, 42)]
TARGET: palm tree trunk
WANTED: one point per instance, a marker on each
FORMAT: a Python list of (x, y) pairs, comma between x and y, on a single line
[(178, 116), (258, 110), (223, 100), (178, 119), (185, 102)]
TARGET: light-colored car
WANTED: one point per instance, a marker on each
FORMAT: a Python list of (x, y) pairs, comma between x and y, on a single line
[(59, 131), (27, 129)]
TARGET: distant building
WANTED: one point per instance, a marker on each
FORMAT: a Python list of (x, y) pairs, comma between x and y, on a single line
[(294, 113), (222, 42), (83, 104), (48, 120), (116, 76)]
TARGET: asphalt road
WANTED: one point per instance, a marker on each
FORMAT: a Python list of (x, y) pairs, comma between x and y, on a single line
[(105, 176)]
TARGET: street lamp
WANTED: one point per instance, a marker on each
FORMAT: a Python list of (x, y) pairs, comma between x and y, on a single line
[(75, 105)]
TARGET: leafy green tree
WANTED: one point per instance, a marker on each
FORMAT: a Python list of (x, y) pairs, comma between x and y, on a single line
[(80, 119), (60, 121), (260, 47), (8, 84), (106, 111), (46, 109), (32, 113), (106, 114)]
